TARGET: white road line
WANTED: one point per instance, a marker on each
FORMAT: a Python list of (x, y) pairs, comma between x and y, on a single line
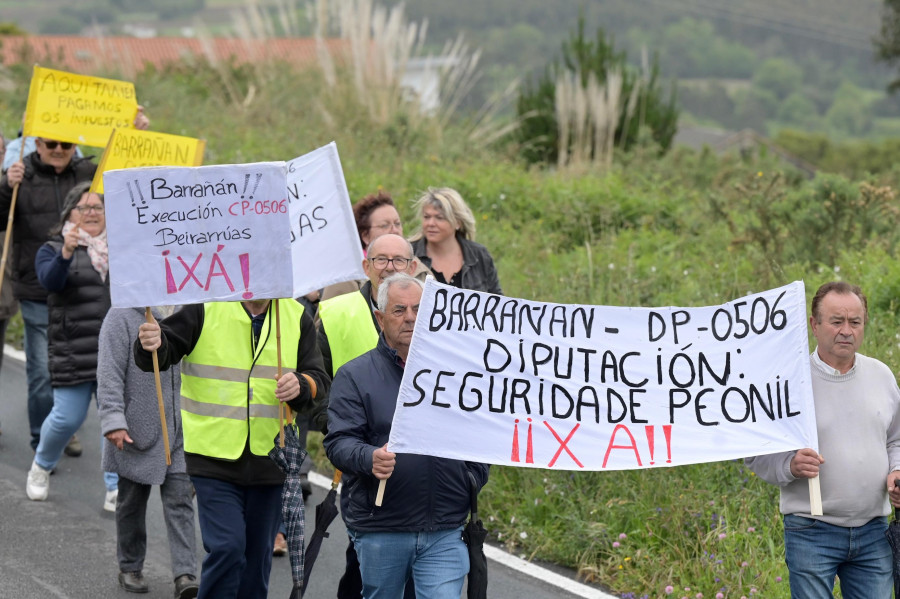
[(516, 563), (12, 352)]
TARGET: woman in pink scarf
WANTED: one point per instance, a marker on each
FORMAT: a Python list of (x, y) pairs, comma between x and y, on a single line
[(73, 267)]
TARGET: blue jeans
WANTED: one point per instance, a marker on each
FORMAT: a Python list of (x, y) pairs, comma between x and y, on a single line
[(70, 407), (238, 525), (37, 373), (438, 562), (816, 552)]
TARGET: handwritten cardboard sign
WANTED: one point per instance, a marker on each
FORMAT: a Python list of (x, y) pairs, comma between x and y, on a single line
[(131, 148), (181, 235), (77, 108), (324, 240), (523, 383)]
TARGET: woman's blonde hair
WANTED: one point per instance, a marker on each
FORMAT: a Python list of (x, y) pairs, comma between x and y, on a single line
[(451, 205)]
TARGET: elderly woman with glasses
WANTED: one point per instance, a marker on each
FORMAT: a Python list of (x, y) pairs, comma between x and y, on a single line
[(446, 242), (73, 267)]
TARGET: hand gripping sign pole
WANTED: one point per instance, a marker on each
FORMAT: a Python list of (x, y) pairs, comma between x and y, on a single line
[(159, 397)]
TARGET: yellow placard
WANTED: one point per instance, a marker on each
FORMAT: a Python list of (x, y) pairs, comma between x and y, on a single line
[(77, 108), (132, 148)]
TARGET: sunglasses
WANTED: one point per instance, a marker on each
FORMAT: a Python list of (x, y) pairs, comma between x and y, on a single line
[(51, 145)]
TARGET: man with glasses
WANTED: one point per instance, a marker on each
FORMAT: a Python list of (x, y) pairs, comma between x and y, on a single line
[(44, 177), (416, 532), (348, 328)]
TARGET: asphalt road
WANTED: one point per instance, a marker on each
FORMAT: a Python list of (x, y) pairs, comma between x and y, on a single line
[(65, 547)]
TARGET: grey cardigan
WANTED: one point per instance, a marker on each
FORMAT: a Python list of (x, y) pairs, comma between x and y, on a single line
[(127, 400)]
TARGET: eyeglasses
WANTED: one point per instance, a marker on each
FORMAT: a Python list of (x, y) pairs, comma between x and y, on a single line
[(399, 263), (388, 226), (95, 208), (51, 145)]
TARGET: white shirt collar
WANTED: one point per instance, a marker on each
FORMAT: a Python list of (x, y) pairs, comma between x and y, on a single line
[(821, 365)]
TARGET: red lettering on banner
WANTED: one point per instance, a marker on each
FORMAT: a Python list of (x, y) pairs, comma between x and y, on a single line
[(563, 445), (612, 440), (216, 261), (190, 271), (216, 269)]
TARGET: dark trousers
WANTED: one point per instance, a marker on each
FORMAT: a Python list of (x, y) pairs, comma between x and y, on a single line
[(3, 324), (131, 524), (350, 585), (238, 525)]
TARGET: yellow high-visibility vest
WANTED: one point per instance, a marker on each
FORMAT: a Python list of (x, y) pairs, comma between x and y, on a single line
[(347, 320), (228, 388)]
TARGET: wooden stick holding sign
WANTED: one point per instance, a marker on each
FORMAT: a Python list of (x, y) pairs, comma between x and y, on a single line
[(9, 220), (283, 408), (379, 497), (815, 496), (159, 397)]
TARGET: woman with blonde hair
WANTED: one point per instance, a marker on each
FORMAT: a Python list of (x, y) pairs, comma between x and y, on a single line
[(446, 242)]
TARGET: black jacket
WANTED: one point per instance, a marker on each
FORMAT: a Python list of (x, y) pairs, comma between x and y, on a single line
[(424, 492), (77, 303), (39, 206), (478, 271)]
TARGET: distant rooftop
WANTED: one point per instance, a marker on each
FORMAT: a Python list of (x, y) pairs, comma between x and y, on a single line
[(129, 55)]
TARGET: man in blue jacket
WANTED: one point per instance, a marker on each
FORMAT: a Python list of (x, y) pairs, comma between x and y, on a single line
[(417, 530)]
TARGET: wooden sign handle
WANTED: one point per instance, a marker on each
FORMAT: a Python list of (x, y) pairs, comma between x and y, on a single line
[(159, 397)]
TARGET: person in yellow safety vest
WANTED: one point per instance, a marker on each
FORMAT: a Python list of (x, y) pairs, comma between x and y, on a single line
[(348, 329), (230, 403)]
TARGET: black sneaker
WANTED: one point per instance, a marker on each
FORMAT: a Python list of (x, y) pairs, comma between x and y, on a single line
[(73, 448), (186, 587), (133, 582)]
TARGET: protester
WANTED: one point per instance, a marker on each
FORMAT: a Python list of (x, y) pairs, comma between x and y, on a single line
[(44, 177), (73, 268), (857, 405), (446, 243), (348, 328), (375, 215), (348, 324), (14, 149), (417, 530), (130, 421), (230, 406)]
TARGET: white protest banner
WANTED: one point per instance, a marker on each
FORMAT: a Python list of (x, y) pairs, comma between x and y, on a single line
[(522, 383), (324, 240), (182, 235)]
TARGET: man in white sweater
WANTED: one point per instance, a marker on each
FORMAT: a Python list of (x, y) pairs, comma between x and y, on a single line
[(858, 422)]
